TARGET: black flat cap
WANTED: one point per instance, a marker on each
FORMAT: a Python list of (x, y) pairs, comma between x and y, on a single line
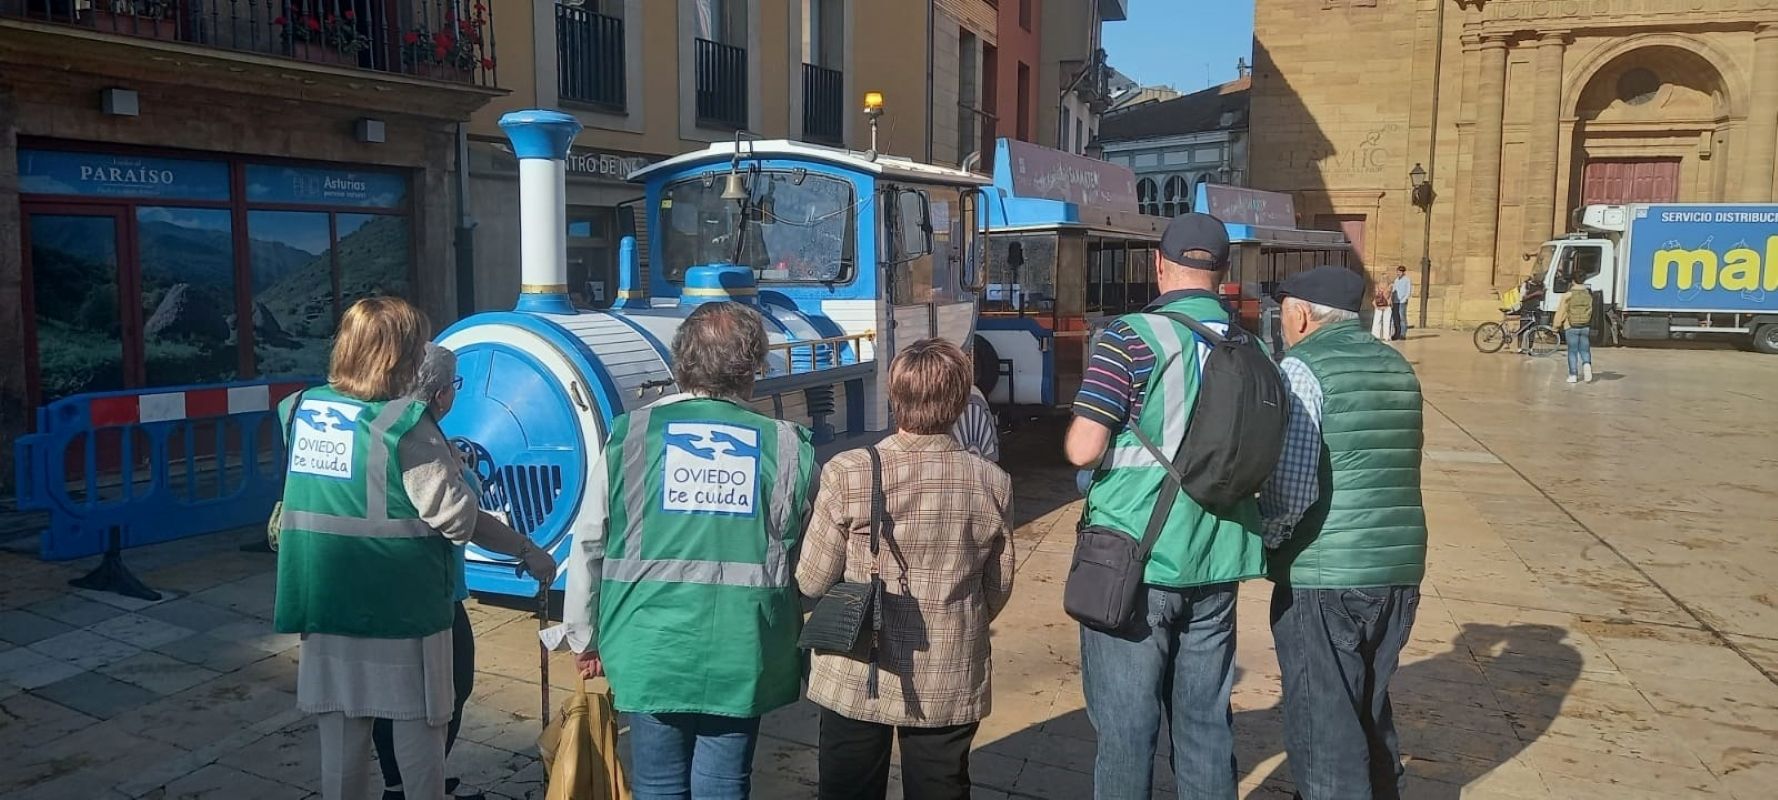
[(1334, 287), (1196, 231)]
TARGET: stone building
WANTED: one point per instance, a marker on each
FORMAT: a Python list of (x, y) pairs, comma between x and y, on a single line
[(1174, 145), (199, 195), (1517, 111)]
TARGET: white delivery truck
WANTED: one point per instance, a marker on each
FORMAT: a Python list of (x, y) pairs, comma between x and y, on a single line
[(1668, 271)]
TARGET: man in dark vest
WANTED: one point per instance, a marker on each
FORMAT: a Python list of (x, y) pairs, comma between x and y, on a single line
[(1349, 534)]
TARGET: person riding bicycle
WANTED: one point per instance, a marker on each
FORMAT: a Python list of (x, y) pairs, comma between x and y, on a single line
[(1530, 310)]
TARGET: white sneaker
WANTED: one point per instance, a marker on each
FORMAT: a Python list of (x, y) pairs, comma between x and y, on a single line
[(1586, 372), (1573, 379)]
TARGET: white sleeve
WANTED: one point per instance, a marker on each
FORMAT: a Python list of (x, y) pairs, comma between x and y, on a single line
[(584, 566)]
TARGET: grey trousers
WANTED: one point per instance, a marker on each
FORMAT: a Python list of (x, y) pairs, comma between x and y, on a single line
[(345, 758)]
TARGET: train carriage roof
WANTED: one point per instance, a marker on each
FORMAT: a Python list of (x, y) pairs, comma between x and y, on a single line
[(883, 165)]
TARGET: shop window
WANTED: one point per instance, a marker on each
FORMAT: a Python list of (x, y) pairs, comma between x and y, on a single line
[(372, 253), (74, 266), (186, 258), (293, 308)]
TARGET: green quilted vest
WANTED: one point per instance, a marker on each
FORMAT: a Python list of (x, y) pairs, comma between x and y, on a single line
[(1368, 527), (698, 607), (1196, 547), (355, 559)]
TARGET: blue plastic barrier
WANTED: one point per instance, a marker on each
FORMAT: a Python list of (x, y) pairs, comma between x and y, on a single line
[(153, 464)]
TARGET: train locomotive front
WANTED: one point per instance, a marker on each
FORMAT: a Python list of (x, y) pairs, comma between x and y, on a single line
[(789, 228)]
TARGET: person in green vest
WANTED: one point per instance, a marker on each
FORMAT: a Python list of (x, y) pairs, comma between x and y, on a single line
[(1349, 531), (681, 590), (1177, 655), (373, 504)]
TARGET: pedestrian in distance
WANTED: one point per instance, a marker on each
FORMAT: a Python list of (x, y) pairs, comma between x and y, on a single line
[(1382, 312), (1175, 655), (1574, 318), (946, 562), (437, 386), (1399, 292), (1346, 519), (682, 590), (365, 554)]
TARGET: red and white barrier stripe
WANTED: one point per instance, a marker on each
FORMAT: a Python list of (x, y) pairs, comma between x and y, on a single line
[(221, 401)]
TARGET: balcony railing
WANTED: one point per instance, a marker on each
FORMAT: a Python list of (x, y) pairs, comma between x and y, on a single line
[(448, 40), (590, 57), (824, 100), (721, 85)]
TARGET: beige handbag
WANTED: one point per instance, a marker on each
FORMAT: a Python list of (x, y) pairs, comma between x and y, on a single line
[(579, 748)]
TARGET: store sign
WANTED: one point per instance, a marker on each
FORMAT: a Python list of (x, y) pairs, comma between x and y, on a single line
[(331, 187), (605, 166), (1233, 204), (62, 172), (1042, 172)]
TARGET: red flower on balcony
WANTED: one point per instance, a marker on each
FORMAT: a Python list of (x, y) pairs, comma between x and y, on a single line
[(340, 36), (410, 38), (312, 24), (279, 21), (488, 64), (350, 15), (457, 44)]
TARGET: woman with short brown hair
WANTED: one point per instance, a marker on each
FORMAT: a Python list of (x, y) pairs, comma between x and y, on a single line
[(947, 567), (365, 562)]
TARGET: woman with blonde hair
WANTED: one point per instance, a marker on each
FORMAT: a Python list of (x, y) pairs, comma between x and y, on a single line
[(946, 562), (373, 502)]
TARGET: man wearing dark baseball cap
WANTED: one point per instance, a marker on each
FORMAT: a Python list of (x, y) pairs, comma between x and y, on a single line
[(1143, 374), (1358, 551)]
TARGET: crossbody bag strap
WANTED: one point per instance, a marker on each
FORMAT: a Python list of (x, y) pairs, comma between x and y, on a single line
[(1175, 483), (878, 510)]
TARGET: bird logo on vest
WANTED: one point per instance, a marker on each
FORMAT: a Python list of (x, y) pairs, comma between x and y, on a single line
[(322, 445), (710, 468)]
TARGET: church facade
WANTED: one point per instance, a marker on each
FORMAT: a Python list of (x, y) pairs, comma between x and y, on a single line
[(1516, 112)]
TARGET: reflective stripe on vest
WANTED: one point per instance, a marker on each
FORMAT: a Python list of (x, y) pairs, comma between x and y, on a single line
[(632, 567), (1173, 422), (376, 463)]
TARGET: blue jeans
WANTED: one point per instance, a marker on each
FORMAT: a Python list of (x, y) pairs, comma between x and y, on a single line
[(686, 756), (1178, 657), (1401, 319), (1580, 348), (1337, 649)]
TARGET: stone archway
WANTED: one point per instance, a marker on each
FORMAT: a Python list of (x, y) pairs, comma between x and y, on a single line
[(1653, 118)]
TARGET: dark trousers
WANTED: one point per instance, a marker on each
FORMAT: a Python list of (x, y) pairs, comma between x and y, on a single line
[(854, 759), (463, 676), (1401, 319), (1337, 649)]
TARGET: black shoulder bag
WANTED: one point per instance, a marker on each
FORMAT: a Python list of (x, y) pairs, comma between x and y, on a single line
[(1105, 581), (846, 619)]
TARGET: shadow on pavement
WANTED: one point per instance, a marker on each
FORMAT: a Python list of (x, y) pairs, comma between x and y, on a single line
[(1453, 733)]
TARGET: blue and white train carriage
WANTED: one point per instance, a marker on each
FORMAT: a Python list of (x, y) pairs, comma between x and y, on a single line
[(846, 254)]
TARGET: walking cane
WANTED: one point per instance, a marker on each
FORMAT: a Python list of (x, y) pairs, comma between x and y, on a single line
[(543, 649)]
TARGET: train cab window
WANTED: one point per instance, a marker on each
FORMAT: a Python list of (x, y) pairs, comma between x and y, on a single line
[(796, 227)]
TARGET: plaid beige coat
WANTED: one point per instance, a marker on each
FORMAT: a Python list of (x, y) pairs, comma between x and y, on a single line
[(947, 565)]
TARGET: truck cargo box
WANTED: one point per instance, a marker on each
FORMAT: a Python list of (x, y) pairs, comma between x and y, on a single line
[(1714, 257)]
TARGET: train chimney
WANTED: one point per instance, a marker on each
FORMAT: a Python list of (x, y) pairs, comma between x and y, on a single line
[(541, 138)]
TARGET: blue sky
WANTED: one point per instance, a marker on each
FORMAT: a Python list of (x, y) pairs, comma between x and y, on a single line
[(1188, 44)]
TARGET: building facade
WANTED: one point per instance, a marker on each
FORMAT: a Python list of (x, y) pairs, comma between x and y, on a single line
[(194, 198), (654, 79), (1517, 111), (1174, 145), (1074, 81)]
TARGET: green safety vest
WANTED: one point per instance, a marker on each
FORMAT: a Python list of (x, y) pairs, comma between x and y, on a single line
[(698, 608), (1367, 527), (1196, 546), (354, 558)]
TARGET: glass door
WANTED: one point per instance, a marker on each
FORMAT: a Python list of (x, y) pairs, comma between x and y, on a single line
[(74, 320)]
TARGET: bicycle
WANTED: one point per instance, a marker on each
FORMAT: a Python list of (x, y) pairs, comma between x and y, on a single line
[(1533, 337)]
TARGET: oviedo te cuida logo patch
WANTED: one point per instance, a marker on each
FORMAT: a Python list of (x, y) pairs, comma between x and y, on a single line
[(710, 468), (322, 438)]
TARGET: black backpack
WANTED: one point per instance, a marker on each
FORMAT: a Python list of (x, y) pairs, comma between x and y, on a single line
[(1236, 431)]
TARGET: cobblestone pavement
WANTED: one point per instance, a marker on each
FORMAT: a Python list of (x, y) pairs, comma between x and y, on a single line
[(1599, 621)]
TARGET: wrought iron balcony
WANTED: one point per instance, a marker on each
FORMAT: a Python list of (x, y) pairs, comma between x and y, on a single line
[(721, 85), (824, 100), (447, 40), (590, 57)]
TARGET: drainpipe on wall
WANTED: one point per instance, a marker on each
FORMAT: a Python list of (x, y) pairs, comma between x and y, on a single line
[(465, 233), (1438, 70), (931, 31)]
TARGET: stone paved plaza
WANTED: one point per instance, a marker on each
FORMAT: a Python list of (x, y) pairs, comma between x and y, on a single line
[(1599, 621)]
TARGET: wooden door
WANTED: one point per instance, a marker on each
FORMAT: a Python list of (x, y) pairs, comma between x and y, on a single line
[(1630, 181)]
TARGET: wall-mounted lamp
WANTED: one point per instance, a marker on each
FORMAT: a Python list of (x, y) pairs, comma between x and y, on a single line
[(370, 131), (120, 102), (1094, 149)]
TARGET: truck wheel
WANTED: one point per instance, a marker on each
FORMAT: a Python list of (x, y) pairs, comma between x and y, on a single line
[(1765, 338), (987, 365)]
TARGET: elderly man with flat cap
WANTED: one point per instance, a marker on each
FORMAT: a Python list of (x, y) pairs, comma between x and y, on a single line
[(1349, 534)]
